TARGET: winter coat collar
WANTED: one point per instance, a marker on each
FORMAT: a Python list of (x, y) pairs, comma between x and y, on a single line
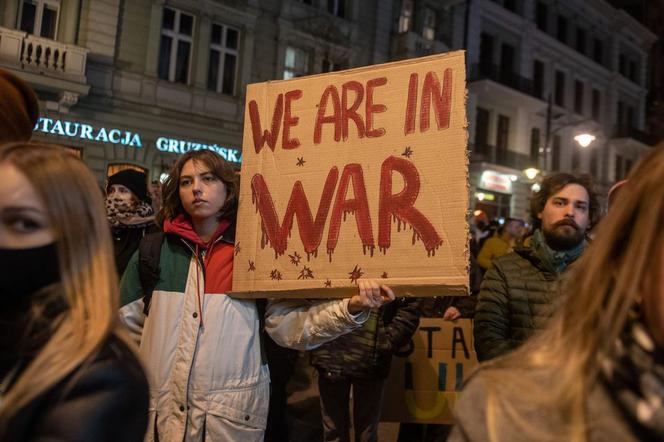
[(182, 226), (545, 258)]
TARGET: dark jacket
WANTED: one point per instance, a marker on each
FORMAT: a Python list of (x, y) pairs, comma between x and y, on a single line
[(366, 353), (105, 400), (126, 240), (606, 421), (518, 296)]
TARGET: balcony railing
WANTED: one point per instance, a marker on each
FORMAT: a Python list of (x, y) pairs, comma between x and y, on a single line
[(503, 157), (412, 45), (48, 57), (508, 78), (627, 131)]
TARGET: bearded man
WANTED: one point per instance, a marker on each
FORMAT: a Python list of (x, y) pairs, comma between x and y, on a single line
[(521, 292)]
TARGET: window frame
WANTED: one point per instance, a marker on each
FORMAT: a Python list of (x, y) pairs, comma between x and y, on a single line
[(39, 16), (176, 37), (223, 50), (294, 69)]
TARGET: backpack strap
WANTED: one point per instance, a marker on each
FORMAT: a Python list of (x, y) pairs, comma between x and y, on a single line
[(149, 254)]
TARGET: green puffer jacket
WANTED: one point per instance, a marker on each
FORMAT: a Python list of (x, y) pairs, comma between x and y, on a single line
[(518, 296), (366, 353)]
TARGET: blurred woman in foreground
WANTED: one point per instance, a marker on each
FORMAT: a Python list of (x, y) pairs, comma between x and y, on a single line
[(65, 370), (597, 373)]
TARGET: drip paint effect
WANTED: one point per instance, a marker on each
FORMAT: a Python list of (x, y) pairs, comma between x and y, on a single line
[(300, 162), (275, 275), (408, 152), (355, 274), (328, 283), (238, 249), (252, 266), (295, 258), (384, 275), (306, 273)]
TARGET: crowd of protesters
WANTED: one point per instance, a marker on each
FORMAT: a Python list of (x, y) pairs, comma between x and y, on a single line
[(116, 325)]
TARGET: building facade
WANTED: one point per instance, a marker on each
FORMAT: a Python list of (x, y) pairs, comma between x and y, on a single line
[(541, 73), (137, 83)]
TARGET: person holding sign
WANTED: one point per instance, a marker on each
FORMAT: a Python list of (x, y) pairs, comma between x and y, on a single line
[(208, 375), (597, 373)]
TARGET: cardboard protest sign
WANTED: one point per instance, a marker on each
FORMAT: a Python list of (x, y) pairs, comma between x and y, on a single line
[(423, 382), (355, 174)]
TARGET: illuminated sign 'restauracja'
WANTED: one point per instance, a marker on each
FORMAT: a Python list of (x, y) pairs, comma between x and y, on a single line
[(75, 129)]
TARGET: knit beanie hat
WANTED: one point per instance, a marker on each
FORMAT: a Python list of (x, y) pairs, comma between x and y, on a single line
[(19, 108), (132, 180)]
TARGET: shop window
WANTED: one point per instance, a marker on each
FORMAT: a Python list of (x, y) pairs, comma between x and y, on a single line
[(222, 71), (406, 16), (177, 30), (112, 169), (296, 63), (40, 17)]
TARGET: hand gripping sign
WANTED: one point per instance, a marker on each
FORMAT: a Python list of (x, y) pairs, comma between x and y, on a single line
[(355, 174)]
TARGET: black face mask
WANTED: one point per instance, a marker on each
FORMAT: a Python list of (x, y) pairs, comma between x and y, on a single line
[(23, 272)]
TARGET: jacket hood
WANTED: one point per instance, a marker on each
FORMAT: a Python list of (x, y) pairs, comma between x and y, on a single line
[(182, 226)]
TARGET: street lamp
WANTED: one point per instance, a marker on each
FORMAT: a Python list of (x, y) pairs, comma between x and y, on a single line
[(584, 139), (531, 173)]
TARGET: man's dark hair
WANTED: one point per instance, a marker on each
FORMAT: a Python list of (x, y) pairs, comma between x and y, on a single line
[(553, 184)]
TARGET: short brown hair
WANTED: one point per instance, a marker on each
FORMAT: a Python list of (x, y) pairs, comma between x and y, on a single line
[(222, 169), (553, 184)]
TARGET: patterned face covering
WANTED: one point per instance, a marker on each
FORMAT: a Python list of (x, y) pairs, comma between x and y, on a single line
[(122, 213), (635, 378)]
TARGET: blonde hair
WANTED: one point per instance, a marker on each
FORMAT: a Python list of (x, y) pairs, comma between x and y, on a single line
[(555, 371), (88, 282)]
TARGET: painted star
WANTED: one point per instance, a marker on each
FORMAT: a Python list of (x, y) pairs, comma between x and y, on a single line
[(408, 152), (300, 161), (384, 275), (295, 258), (252, 266), (355, 274), (238, 249), (275, 275), (328, 283), (306, 273)]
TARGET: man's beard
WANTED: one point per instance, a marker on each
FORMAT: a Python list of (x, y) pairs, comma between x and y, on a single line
[(562, 238)]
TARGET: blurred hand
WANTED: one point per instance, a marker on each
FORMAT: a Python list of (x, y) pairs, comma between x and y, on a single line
[(451, 314), (370, 295)]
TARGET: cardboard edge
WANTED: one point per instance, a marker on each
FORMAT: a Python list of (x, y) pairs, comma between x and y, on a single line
[(418, 291)]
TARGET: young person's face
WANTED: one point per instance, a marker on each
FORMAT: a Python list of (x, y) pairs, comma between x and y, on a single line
[(202, 193), (24, 221), (121, 194), (566, 217)]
